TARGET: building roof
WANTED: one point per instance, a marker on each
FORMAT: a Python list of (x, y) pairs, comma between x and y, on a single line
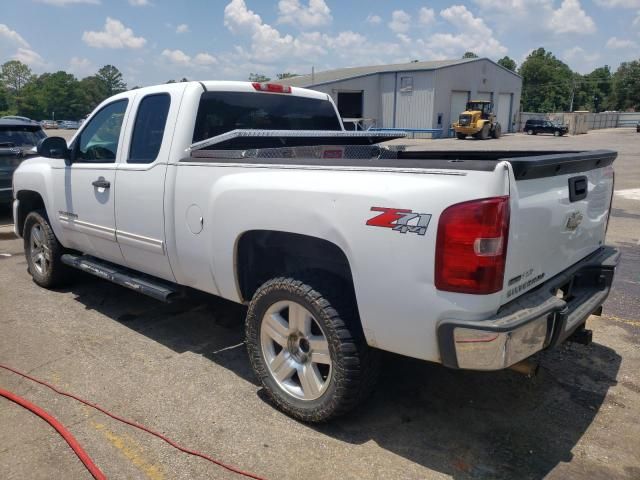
[(329, 76)]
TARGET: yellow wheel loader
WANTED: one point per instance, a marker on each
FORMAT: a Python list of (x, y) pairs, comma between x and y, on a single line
[(478, 120)]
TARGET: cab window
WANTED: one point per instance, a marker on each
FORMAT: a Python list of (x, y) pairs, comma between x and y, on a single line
[(98, 141), (148, 130)]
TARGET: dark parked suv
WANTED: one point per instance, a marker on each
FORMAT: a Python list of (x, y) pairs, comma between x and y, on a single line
[(17, 139), (533, 127)]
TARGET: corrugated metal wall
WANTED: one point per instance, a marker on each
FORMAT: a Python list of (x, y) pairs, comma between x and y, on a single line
[(414, 108)]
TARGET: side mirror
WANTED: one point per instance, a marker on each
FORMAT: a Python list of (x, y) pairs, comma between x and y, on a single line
[(53, 147)]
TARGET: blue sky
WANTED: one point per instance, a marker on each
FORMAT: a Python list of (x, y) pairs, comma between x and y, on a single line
[(152, 41)]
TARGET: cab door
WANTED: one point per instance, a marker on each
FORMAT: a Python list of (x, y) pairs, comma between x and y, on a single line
[(85, 189), (141, 182)]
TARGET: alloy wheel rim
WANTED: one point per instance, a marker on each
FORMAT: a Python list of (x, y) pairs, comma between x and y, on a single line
[(296, 350), (39, 250)]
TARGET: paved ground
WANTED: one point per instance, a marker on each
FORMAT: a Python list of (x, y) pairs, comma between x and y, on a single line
[(181, 369)]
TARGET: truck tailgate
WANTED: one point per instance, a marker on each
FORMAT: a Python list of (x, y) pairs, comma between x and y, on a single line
[(559, 213)]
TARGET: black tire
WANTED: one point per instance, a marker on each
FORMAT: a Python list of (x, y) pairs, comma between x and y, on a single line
[(461, 136), (354, 366), (484, 132), (530, 132), (556, 133), (55, 273), (497, 131)]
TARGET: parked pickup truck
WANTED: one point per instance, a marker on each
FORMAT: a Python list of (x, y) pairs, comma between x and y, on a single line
[(339, 246)]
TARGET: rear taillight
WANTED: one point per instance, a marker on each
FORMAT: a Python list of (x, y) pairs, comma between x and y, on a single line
[(271, 87), (471, 247)]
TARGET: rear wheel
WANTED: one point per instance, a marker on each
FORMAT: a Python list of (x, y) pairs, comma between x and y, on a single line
[(530, 132), (460, 136), (307, 350), (497, 131), (43, 251)]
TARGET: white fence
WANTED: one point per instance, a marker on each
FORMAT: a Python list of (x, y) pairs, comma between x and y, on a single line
[(584, 121)]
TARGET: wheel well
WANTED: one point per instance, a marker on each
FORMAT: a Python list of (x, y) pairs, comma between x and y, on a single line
[(29, 201), (265, 254)]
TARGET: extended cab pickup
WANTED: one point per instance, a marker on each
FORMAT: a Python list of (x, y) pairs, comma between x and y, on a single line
[(339, 246)]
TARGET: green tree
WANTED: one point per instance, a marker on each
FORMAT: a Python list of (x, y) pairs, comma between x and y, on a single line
[(626, 86), (15, 75), (547, 83), (258, 77), (508, 63), (111, 79), (4, 100), (594, 90), (469, 55), (282, 76), (92, 92)]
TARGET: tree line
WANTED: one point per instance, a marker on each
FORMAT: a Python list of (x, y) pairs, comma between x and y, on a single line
[(548, 85)]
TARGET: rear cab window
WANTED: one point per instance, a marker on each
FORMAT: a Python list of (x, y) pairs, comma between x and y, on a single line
[(221, 112), (20, 135)]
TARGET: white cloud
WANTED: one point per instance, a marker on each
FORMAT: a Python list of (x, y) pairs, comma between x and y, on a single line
[(139, 3), (64, 3), (400, 21), (30, 57), (474, 34), (427, 16), (615, 43), (12, 36), (584, 60), (267, 44), (373, 19), (114, 35), (182, 28), (204, 59), (571, 18), (81, 66), (178, 57), (619, 3), (316, 14)]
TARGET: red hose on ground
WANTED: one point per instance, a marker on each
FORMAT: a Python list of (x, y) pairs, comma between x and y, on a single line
[(73, 443), (134, 424)]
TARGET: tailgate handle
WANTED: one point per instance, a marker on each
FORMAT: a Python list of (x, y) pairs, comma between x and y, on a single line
[(578, 187)]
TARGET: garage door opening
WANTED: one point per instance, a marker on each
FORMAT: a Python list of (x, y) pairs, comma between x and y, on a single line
[(350, 107)]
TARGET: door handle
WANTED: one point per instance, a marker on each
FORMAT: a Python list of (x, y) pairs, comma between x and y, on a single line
[(101, 183)]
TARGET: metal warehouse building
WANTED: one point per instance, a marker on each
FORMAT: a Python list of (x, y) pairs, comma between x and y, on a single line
[(418, 95)]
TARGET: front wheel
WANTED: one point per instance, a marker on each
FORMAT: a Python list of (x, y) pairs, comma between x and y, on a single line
[(43, 252), (497, 131), (530, 132), (461, 136), (556, 133), (306, 349)]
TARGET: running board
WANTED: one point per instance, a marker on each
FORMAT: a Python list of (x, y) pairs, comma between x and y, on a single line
[(146, 284)]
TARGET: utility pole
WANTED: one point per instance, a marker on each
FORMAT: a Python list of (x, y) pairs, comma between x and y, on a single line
[(573, 91), (313, 75)]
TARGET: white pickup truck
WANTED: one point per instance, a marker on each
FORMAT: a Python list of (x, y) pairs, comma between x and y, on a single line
[(339, 246)]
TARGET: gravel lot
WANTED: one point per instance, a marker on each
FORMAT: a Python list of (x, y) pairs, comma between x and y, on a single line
[(181, 369)]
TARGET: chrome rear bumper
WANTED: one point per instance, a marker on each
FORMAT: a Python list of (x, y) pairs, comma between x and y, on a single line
[(537, 320)]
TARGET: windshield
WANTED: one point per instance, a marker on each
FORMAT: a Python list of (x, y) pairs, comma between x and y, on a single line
[(21, 136), (221, 112)]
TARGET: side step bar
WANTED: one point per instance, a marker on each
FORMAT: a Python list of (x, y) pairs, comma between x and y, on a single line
[(146, 284)]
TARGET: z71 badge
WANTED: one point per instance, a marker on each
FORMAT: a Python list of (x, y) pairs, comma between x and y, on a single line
[(400, 220)]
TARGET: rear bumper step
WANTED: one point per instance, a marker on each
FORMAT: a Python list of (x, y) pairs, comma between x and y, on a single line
[(146, 284)]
